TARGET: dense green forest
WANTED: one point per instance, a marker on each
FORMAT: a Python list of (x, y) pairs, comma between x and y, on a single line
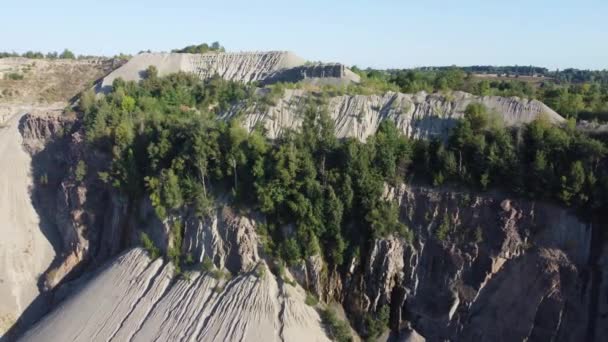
[(167, 144), (320, 195)]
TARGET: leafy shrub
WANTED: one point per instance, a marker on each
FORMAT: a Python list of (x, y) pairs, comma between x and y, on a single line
[(207, 264), (311, 299), (175, 250), (377, 324), (260, 271), (149, 246), (15, 76), (444, 228), (336, 329), (81, 171)]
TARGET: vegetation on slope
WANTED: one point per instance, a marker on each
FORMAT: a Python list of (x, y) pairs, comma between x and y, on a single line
[(201, 48), (572, 93), (320, 194), (168, 145)]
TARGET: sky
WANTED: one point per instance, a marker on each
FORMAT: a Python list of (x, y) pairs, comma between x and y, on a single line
[(379, 34)]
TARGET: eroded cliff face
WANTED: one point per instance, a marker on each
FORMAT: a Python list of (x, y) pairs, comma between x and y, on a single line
[(26, 248), (482, 267), (226, 238), (418, 115), (265, 67), (135, 299), (56, 145)]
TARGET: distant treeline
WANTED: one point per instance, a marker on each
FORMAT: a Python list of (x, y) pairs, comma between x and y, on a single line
[(569, 75), (65, 54), (498, 70)]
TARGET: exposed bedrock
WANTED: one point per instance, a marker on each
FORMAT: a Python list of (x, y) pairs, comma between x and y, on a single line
[(418, 115), (506, 270), (228, 239), (264, 67)]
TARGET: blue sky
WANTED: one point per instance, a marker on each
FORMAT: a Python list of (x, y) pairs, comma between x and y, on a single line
[(381, 33)]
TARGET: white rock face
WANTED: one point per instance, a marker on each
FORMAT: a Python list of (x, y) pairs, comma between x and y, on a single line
[(25, 251), (236, 66), (385, 267), (418, 115), (133, 299), (228, 239)]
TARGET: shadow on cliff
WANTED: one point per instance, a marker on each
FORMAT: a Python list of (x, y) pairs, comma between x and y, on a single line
[(49, 166), (434, 127)]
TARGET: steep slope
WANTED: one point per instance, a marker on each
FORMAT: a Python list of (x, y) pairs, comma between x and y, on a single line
[(236, 66), (418, 115), (29, 245), (137, 300), (503, 269), (25, 249), (264, 67), (441, 288)]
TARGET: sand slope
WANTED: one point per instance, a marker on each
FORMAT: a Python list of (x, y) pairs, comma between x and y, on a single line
[(133, 299), (25, 252), (236, 66)]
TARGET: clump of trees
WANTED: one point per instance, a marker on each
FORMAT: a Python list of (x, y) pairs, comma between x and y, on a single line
[(540, 160), (337, 329), (201, 48), (572, 93)]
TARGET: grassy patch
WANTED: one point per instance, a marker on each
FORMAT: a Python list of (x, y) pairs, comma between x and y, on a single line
[(14, 76), (149, 246)]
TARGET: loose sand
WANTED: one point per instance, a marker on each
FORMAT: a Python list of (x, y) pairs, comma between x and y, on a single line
[(25, 252)]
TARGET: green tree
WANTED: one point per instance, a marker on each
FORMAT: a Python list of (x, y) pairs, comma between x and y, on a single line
[(67, 54), (477, 116), (81, 171)]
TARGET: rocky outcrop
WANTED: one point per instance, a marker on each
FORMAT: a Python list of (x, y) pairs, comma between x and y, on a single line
[(418, 115), (133, 299), (37, 129), (318, 74), (501, 269), (312, 274), (226, 238)]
